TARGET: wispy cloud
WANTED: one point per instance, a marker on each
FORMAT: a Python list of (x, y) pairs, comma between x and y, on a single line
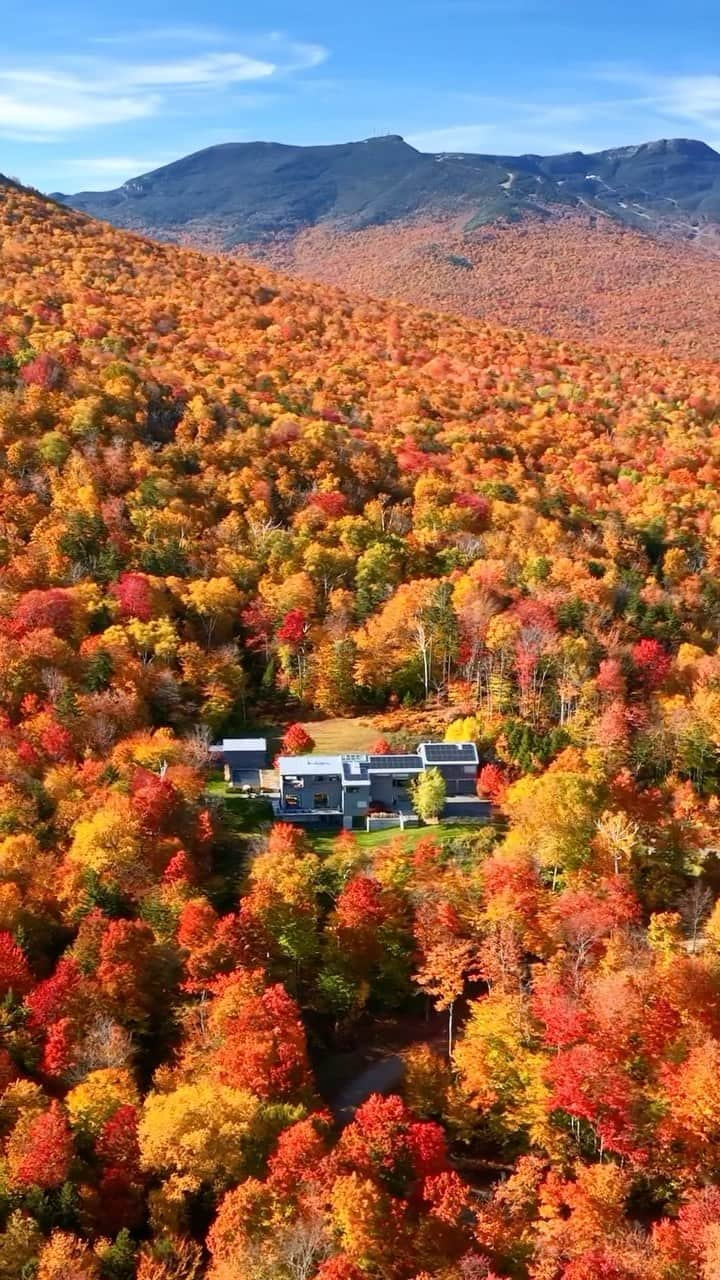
[(217, 69), (679, 97), (39, 102), (120, 167), (189, 33), (640, 106), (40, 111), (505, 129)]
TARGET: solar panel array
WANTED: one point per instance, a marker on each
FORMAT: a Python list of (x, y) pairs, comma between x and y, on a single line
[(450, 753), (387, 763)]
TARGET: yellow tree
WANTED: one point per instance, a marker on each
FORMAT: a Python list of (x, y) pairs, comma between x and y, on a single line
[(108, 845), (553, 817), (499, 1066), (98, 1097), (214, 600), (197, 1134), (65, 1257)]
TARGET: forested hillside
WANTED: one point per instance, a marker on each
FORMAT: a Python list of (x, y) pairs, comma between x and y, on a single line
[(224, 491), (619, 247), (575, 277)]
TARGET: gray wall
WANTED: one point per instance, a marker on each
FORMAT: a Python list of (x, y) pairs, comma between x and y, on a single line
[(460, 779), (382, 791), (356, 800), (329, 786)]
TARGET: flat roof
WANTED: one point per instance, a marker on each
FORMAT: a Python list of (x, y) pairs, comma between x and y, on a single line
[(244, 744), (356, 767), (300, 765), (395, 764), (449, 752)]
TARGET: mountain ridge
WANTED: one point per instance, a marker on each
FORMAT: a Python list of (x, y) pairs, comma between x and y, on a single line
[(238, 193)]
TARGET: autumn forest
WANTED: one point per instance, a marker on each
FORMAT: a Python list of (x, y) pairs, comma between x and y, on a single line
[(231, 498)]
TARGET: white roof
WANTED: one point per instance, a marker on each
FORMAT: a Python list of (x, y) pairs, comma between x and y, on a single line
[(310, 764), (244, 744)]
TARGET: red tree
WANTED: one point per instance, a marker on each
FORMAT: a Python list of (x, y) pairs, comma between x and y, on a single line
[(293, 629), (53, 609), (299, 1155), (385, 1143), (296, 741), (652, 663), (492, 783), (134, 595), (15, 974), (263, 1041), (48, 1150)]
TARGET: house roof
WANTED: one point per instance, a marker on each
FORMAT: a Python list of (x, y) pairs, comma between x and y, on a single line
[(448, 752), (395, 764), (355, 770), (301, 766), (244, 744)]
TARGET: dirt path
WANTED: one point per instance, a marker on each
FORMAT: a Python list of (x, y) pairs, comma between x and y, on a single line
[(384, 1076)]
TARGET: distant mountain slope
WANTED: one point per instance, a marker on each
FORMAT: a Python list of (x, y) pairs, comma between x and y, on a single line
[(239, 193), (579, 276)]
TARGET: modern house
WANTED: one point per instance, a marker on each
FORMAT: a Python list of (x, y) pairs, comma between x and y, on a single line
[(344, 788)]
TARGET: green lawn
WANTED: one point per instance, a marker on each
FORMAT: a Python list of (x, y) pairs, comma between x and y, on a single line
[(322, 842)]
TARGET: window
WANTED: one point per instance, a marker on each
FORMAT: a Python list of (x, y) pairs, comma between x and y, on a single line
[(291, 802), (321, 800), (400, 784)]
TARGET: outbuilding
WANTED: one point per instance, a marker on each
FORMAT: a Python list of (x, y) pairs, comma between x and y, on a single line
[(243, 759)]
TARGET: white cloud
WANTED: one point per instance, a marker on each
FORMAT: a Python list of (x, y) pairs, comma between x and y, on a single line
[(58, 110), (295, 55), (207, 69), (696, 97), (641, 106), (513, 128), (42, 102), (689, 98), (459, 137), (120, 167), (188, 33)]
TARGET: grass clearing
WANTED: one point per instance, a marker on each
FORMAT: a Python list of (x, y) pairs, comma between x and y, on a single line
[(344, 734), (333, 736)]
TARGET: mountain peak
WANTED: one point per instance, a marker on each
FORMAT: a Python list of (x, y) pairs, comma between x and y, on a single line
[(690, 147), (386, 137), (250, 192)]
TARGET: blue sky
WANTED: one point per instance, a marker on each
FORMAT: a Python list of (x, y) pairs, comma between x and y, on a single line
[(93, 92)]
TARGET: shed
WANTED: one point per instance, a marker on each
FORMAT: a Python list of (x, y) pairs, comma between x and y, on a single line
[(243, 759)]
